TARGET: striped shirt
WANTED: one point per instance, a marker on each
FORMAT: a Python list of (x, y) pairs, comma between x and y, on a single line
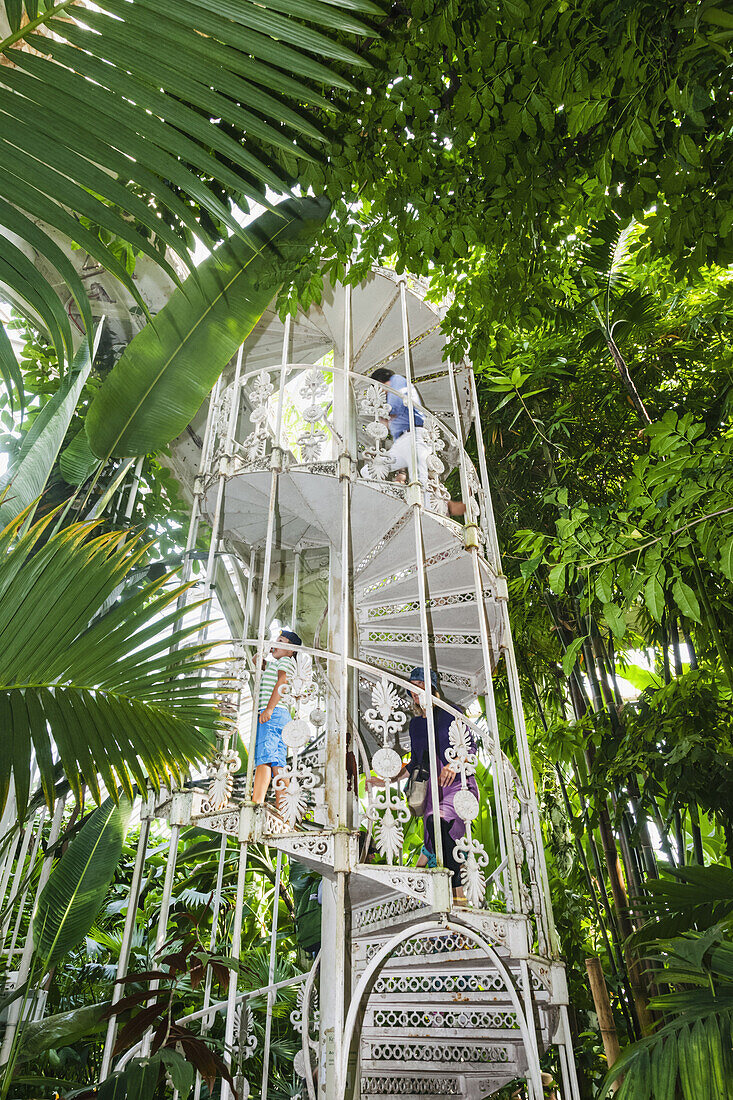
[(269, 679)]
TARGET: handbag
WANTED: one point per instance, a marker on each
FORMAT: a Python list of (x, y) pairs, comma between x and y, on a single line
[(417, 789)]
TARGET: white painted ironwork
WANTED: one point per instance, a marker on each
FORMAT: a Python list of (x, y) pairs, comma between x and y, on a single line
[(294, 466)]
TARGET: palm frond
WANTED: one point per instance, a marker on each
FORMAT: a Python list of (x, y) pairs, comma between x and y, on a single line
[(109, 701), (121, 110), (690, 897)]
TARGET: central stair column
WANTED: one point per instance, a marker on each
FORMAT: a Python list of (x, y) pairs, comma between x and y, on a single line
[(336, 964)]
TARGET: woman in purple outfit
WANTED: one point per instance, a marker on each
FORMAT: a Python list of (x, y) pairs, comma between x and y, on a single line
[(452, 826)]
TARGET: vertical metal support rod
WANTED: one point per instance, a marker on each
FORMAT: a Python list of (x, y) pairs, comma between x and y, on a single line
[(571, 1085), (416, 504), (220, 487), (296, 584), (465, 492), (24, 968), (8, 867), (267, 562), (195, 518), (24, 898), (205, 1020), (534, 1076), (271, 974), (527, 773), (126, 944), (502, 800), (132, 495), (485, 485), (17, 877), (514, 690), (236, 951), (345, 485), (165, 904)]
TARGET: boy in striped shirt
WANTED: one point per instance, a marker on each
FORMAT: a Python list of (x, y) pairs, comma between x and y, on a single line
[(270, 750)]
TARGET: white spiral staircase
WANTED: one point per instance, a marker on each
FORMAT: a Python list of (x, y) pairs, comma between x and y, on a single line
[(416, 997)]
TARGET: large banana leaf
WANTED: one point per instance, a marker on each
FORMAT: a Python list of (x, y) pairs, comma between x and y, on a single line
[(110, 700), (26, 479), (168, 369), (127, 110), (78, 884), (60, 1030)]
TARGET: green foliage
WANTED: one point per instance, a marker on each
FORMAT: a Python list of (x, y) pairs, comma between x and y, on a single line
[(111, 696), (677, 510), (142, 111), (492, 131), (158, 385), (26, 478), (679, 740), (690, 1053), (73, 895)]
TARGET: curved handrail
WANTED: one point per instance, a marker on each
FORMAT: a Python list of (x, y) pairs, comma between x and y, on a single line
[(218, 1006)]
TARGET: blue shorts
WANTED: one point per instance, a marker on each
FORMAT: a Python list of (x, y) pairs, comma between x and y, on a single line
[(269, 745)]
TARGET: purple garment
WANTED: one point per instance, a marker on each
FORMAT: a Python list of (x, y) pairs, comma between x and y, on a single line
[(419, 749)]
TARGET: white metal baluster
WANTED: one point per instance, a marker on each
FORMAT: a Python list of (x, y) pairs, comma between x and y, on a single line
[(28, 834), (212, 946), (24, 898), (271, 974), (267, 562), (127, 936), (236, 951), (485, 484), (224, 462), (165, 905), (25, 959), (416, 499)]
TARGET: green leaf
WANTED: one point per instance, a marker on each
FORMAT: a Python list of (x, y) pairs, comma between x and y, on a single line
[(169, 368), (604, 585), (571, 654), (9, 369), (556, 578), (78, 884), (110, 699), (689, 150), (60, 1030), (686, 600), (164, 95), (615, 618), (726, 559), (654, 597), (182, 1072), (26, 479), (640, 678), (137, 1081), (664, 1070), (77, 462)]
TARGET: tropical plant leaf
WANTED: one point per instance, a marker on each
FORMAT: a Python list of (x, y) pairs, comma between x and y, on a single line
[(26, 479), (77, 461), (571, 654), (168, 369), (109, 699), (119, 112), (60, 1030), (77, 885), (9, 369)]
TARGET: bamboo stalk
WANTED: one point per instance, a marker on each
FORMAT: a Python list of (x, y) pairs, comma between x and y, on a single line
[(602, 1002)]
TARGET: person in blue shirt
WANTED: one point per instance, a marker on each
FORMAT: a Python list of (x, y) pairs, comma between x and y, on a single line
[(400, 453)]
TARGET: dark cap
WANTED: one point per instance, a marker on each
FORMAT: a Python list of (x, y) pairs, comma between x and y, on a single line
[(292, 637), (419, 674)]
